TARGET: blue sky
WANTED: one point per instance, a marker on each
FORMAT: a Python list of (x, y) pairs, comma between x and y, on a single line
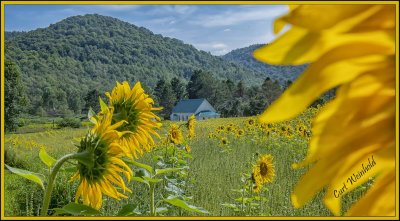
[(214, 28)]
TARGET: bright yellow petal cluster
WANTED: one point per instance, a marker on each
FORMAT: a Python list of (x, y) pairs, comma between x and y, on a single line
[(104, 176), (135, 107), (263, 171), (175, 134), (351, 47), (191, 125)]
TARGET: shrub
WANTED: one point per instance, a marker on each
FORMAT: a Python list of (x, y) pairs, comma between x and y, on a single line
[(69, 122)]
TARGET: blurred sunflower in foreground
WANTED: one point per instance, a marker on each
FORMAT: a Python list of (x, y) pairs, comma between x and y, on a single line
[(351, 47)]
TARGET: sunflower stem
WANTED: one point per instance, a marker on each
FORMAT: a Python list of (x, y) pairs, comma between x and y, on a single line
[(52, 177), (152, 207)]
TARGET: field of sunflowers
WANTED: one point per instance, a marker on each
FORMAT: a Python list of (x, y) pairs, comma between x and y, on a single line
[(215, 167), (129, 163)]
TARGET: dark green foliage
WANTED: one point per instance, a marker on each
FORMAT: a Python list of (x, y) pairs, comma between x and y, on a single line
[(270, 90), (69, 122), (201, 85), (244, 57), (12, 159), (179, 88), (14, 97), (158, 91), (60, 64), (166, 97), (92, 101)]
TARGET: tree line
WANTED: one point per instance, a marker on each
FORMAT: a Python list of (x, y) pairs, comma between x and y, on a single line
[(230, 99)]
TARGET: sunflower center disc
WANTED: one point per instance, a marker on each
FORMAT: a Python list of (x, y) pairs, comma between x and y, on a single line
[(263, 169)]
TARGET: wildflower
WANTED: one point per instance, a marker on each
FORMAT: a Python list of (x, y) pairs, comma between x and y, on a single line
[(211, 135), (224, 141), (240, 132), (136, 108), (190, 126), (103, 174), (264, 170), (250, 122), (175, 134)]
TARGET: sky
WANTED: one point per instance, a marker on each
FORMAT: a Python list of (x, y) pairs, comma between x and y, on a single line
[(217, 29)]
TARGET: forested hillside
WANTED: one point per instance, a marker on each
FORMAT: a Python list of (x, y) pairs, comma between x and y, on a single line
[(68, 65), (244, 58), (68, 59)]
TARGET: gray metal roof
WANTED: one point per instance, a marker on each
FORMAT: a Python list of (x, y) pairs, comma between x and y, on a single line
[(187, 106)]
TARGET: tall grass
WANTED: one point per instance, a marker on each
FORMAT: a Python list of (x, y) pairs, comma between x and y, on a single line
[(213, 172)]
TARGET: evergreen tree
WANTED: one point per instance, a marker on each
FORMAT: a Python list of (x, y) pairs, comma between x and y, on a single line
[(14, 97), (201, 85), (167, 101), (158, 91), (270, 90), (179, 88), (92, 101)]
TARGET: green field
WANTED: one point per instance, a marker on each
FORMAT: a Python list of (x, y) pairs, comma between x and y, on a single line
[(214, 169)]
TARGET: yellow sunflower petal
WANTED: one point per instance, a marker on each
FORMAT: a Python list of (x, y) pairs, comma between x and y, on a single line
[(380, 200)]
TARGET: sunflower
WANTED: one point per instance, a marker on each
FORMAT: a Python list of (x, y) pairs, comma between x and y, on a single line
[(175, 134), (190, 126), (264, 170), (240, 132), (353, 49), (136, 108), (230, 129), (302, 130), (211, 135), (224, 141), (102, 175), (220, 129), (250, 122), (268, 131)]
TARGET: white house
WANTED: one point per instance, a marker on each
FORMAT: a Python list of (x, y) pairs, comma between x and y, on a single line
[(200, 108)]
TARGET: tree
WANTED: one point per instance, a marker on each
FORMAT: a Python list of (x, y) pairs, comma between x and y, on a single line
[(270, 90), (240, 89), (74, 101), (167, 101), (158, 91), (178, 88), (14, 97), (92, 100), (201, 85)]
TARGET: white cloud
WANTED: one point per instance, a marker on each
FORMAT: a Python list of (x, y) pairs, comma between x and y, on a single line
[(215, 48), (116, 8), (243, 15), (219, 45), (227, 29), (184, 9), (173, 9)]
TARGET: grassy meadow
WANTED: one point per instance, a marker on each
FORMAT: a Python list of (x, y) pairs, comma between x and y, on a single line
[(219, 158)]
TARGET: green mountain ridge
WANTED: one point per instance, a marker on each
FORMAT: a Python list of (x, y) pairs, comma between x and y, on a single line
[(61, 63), (244, 58)]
